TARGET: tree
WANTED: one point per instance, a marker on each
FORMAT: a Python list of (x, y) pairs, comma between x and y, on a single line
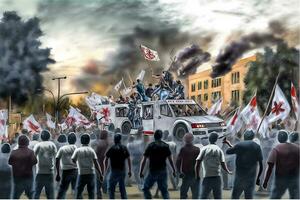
[(263, 72), (21, 57)]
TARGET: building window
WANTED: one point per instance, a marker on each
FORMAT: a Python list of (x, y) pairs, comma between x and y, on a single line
[(235, 95), (199, 85), (205, 84), (193, 87), (205, 98), (235, 77), (216, 82), (215, 95), (199, 98)]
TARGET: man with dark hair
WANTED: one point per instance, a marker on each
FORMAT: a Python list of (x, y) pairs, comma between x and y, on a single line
[(45, 152), (213, 158), (185, 163), (86, 160), (285, 157), (22, 161), (157, 152), (149, 91), (294, 138), (34, 141), (248, 155), (117, 154), (5, 172), (68, 167)]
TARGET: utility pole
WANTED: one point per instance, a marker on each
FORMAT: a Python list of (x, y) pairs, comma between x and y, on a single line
[(58, 95)]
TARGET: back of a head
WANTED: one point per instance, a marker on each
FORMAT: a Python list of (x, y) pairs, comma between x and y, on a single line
[(85, 139), (117, 138), (5, 148), (248, 135), (62, 138), (24, 131), (131, 138), (93, 136), (23, 140), (72, 138), (45, 135), (282, 136), (188, 138), (103, 135), (294, 137), (165, 135), (35, 137), (158, 134), (213, 137), (117, 130)]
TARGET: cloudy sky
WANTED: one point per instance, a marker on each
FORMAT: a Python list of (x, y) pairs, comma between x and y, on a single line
[(92, 37)]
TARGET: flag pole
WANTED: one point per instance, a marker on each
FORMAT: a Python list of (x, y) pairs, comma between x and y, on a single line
[(269, 102)]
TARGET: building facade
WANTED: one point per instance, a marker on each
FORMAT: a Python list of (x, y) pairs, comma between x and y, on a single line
[(205, 90)]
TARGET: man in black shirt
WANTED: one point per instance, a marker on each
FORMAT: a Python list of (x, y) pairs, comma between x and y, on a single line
[(248, 155), (117, 155), (157, 152)]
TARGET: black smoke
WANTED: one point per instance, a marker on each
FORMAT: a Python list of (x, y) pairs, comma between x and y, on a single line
[(235, 50)]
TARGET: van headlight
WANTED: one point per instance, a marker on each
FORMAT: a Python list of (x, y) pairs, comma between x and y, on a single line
[(222, 124), (198, 125)]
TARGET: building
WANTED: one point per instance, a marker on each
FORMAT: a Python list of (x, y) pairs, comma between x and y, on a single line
[(205, 90)]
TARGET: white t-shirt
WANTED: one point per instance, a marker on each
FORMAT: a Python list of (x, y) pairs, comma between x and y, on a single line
[(211, 156), (65, 154), (85, 156), (45, 152)]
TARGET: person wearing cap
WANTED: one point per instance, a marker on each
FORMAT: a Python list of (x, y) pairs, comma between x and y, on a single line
[(87, 162), (213, 159), (157, 152), (68, 167), (117, 155), (5, 172), (248, 155), (185, 163), (285, 158), (22, 161), (45, 152)]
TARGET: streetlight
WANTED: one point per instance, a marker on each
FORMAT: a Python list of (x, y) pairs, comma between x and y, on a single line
[(54, 101)]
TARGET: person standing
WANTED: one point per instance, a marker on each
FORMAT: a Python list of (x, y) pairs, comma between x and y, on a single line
[(69, 169), (213, 158), (5, 172), (149, 91), (185, 163), (86, 160), (157, 152), (22, 161), (285, 158), (248, 155), (45, 152), (117, 155)]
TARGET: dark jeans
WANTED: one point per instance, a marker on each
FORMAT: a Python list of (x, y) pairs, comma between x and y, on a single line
[(281, 184), (47, 181), (23, 185), (68, 177), (243, 184), (86, 180), (211, 184), (189, 181), (6, 185), (161, 177), (116, 177)]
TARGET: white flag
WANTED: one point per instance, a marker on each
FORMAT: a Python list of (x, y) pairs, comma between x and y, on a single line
[(125, 92), (216, 108), (141, 75), (32, 125), (295, 102), (3, 121), (118, 85), (280, 106), (93, 101), (149, 54), (76, 118), (235, 123), (50, 123)]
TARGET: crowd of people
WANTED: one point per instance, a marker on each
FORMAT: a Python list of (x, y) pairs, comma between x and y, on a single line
[(101, 160)]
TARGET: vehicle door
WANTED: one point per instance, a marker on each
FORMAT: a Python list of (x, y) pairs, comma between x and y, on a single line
[(147, 118)]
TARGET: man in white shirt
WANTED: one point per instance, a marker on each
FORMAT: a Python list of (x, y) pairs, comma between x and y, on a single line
[(212, 158), (68, 167), (45, 151), (86, 160)]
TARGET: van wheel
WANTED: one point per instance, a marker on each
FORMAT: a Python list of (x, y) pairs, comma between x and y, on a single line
[(111, 127), (126, 128), (179, 131)]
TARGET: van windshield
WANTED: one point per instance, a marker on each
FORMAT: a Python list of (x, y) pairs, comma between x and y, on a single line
[(185, 110)]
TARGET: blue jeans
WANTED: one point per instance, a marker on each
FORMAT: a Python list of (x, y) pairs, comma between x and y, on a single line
[(68, 177), (161, 177), (116, 177), (23, 185), (47, 181), (189, 181), (211, 184), (243, 184), (86, 180), (281, 184)]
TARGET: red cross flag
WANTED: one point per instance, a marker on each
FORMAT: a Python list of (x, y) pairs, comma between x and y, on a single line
[(280, 106), (235, 123), (216, 108), (295, 102), (50, 123), (149, 54), (32, 125)]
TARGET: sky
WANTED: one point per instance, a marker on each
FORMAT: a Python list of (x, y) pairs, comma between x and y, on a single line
[(94, 42)]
